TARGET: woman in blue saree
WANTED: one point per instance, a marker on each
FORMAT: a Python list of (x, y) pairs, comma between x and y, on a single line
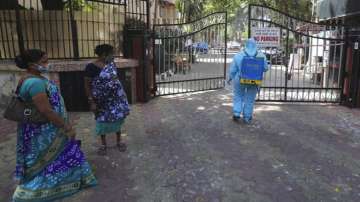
[(106, 96), (49, 163)]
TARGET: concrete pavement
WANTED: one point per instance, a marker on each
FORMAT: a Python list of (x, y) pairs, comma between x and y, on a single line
[(186, 148)]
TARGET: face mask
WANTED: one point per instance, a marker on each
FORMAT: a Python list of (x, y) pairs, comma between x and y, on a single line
[(42, 69)]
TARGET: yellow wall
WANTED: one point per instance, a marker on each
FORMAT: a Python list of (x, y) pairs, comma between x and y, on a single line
[(50, 31)]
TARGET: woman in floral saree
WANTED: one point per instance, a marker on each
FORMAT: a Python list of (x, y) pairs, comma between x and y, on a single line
[(106, 96), (49, 163)]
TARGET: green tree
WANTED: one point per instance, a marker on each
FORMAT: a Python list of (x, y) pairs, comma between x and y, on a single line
[(238, 9), (190, 9), (299, 8), (79, 5)]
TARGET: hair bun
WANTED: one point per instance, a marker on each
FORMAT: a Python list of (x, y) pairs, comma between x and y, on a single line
[(19, 61), (103, 49), (28, 57)]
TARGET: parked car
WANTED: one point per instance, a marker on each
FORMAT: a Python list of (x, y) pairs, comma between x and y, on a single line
[(234, 45), (202, 47), (273, 55)]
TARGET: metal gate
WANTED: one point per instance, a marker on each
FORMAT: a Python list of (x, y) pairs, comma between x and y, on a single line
[(191, 56), (306, 59)]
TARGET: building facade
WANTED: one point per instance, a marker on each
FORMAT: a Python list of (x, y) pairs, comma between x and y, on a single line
[(345, 12)]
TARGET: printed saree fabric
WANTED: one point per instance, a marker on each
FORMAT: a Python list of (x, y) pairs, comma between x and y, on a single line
[(109, 96), (49, 165)]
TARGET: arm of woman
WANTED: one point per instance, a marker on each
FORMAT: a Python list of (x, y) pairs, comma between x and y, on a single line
[(41, 102), (90, 73), (87, 86), (36, 89)]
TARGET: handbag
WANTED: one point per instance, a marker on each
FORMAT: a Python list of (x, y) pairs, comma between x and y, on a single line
[(23, 111)]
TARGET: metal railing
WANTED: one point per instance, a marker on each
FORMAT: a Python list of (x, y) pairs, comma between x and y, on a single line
[(306, 63), (68, 29), (190, 56)]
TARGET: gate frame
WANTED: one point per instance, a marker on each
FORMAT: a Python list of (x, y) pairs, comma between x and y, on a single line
[(155, 89), (289, 17), (138, 35)]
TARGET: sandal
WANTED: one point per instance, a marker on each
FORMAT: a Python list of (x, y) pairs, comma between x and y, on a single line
[(121, 147), (102, 150)]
